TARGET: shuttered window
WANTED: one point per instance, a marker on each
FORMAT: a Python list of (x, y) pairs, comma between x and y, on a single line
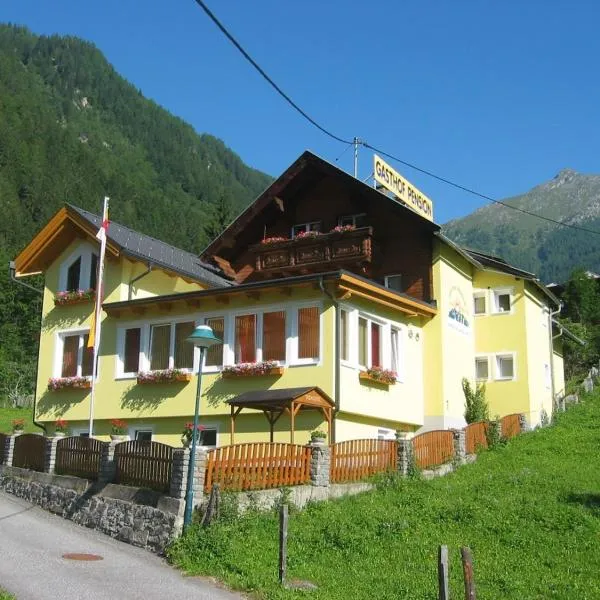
[(273, 345), (184, 350), (73, 276), (214, 355), (245, 339), (308, 333), (77, 358), (87, 358), (70, 352), (160, 337)]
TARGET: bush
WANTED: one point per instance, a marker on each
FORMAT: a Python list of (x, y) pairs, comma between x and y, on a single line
[(476, 408)]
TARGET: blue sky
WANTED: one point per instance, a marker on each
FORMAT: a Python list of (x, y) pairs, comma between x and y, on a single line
[(496, 95)]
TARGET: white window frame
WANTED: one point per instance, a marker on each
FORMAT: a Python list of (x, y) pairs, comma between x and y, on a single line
[(225, 350), (482, 357), (348, 360), (384, 349), (83, 251), (293, 339), (481, 294), (400, 352), (386, 282), (308, 226), (500, 355), (215, 426), (120, 362), (59, 344), (353, 217), (501, 292)]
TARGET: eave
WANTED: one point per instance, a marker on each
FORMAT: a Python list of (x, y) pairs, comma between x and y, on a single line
[(342, 284)]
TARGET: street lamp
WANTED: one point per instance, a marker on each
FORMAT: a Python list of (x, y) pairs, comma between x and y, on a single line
[(202, 337)]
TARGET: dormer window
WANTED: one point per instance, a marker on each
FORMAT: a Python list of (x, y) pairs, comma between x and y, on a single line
[(357, 220), (305, 228), (79, 271)]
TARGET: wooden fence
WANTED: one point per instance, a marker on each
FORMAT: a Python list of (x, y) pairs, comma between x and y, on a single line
[(30, 452), (144, 464), (510, 426), (257, 466), (79, 456), (357, 459), (433, 448), (476, 436), (3, 438)]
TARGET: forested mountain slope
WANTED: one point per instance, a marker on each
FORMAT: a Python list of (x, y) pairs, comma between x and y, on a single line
[(73, 130), (550, 251)]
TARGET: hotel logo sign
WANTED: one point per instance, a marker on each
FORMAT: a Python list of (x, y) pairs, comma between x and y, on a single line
[(405, 191), (457, 315)]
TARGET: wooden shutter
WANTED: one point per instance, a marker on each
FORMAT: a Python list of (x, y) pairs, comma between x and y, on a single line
[(214, 355), (274, 335), (159, 347), (70, 351), (245, 339), (375, 345), (184, 350), (308, 332)]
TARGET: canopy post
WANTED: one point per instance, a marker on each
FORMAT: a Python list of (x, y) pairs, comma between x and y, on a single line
[(232, 430)]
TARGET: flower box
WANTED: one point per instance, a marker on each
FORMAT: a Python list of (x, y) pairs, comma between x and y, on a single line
[(69, 383), (379, 376), (253, 370), (74, 297), (164, 376)]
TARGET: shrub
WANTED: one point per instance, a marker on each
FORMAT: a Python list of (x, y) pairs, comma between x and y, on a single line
[(476, 408)]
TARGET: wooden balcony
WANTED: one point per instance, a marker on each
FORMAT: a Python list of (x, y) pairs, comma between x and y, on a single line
[(325, 252)]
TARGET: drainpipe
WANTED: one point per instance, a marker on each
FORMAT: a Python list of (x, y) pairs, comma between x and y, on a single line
[(138, 278), (12, 271), (336, 382), (550, 317)]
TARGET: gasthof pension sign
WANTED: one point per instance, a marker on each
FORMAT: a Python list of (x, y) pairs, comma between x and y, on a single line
[(401, 188)]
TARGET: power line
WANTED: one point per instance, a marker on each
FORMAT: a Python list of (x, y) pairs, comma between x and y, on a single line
[(475, 193), (449, 182), (230, 37)]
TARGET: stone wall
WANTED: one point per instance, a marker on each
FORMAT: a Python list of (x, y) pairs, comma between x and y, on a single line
[(139, 517)]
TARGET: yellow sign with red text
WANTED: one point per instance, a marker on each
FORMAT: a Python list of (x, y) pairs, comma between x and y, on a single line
[(405, 191)]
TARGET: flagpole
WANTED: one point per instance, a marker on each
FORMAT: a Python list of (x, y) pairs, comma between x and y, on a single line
[(95, 330)]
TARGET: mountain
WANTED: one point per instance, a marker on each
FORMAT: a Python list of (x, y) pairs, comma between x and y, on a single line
[(73, 130), (551, 251)]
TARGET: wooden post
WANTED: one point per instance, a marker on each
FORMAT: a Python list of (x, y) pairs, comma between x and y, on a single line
[(293, 415), (212, 508), (283, 529), (232, 432), (443, 573), (467, 562)]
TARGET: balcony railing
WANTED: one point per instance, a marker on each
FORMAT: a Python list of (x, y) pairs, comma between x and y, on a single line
[(312, 253)]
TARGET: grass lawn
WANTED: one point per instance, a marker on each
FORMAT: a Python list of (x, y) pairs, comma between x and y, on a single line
[(530, 512), (5, 595), (8, 414)]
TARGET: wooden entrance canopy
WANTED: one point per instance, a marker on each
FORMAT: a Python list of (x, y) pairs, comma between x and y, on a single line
[(274, 403)]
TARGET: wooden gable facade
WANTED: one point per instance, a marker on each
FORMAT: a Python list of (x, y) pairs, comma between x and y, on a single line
[(388, 238)]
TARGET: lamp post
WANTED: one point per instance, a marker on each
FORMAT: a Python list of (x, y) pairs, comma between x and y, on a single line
[(202, 337)]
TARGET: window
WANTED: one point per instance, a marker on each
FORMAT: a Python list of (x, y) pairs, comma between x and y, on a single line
[(505, 366), (502, 301), (131, 358), (344, 335), (208, 437), (479, 307), (482, 372), (396, 351), (369, 343), (358, 220), (160, 337), (305, 228), (274, 338), (77, 358), (245, 339), (169, 348), (309, 333), (214, 355), (143, 435), (394, 282), (73, 275), (79, 272)]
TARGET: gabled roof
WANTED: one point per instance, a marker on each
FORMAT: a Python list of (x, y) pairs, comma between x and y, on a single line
[(308, 165), (150, 249), (72, 220), (268, 399)]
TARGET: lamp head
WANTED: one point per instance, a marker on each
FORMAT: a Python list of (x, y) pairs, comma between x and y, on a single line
[(203, 337)]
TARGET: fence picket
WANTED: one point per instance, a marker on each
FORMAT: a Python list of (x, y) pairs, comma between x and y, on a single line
[(357, 459), (510, 426), (144, 464), (476, 436), (433, 448), (79, 456), (30, 452)]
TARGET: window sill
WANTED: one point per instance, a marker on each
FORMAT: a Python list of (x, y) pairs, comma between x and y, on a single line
[(78, 386), (505, 379), (367, 379), (274, 371)]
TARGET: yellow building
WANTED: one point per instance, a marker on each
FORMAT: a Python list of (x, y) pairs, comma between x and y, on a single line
[(321, 288)]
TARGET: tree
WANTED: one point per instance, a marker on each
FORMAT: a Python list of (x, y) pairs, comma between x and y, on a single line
[(476, 407)]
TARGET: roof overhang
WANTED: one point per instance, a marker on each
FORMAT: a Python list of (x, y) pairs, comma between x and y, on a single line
[(63, 227), (278, 399), (342, 285)]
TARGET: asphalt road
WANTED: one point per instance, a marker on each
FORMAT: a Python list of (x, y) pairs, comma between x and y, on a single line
[(32, 567)]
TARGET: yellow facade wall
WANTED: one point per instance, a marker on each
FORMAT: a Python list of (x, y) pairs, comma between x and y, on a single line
[(449, 340)]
